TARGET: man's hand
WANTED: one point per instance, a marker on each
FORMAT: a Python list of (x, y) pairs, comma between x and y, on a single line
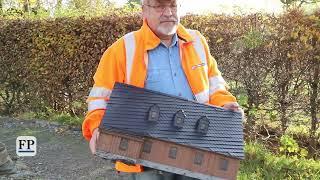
[(93, 140), (233, 106)]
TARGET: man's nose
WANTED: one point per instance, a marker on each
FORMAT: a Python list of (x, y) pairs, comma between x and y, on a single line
[(167, 11)]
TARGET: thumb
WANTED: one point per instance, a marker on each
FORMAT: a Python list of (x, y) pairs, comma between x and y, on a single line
[(93, 141), (231, 106), (92, 145)]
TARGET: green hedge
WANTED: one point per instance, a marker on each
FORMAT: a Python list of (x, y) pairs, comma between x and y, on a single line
[(50, 63), (271, 62)]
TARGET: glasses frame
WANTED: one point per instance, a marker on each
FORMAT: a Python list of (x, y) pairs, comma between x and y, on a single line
[(162, 8)]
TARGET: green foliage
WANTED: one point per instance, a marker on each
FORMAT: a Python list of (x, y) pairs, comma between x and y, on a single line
[(288, 145), (65, 118), (242, 100), (299, 2), (75, 8), (12, 13), (253, 39), (298, 130), (133, 5), (51, 115), (262, 164)]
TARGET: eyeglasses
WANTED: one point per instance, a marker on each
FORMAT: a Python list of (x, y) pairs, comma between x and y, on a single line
[(161, 8)]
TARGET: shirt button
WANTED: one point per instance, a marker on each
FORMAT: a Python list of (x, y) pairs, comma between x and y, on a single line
[(175, 74), (180, 94)]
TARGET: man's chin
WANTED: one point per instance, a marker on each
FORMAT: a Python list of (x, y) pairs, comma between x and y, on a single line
[(168, 31)]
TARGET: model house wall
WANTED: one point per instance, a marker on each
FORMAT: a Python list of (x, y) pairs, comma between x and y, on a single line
[(169, 153)]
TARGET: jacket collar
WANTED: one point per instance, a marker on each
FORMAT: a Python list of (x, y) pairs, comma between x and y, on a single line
[(151, 41)]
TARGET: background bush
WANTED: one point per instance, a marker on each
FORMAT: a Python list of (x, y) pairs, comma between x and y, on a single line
[(272, 64)]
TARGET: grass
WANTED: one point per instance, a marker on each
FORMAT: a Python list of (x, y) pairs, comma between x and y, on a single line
[(62, 118), (260, 163)]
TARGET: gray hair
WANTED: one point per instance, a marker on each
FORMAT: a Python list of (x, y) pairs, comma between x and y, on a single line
[(144, 1)]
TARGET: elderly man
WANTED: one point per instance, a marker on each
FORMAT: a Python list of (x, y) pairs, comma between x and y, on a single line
[(161, 56)]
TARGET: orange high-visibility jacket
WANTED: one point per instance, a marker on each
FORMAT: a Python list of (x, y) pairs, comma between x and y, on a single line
[(126, 61)]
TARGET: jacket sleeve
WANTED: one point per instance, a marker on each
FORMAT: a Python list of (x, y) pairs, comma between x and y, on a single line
[(109, 71), (218, 94)]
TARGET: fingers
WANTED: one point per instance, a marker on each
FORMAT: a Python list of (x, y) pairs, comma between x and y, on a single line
[(92, 145), (93, 141), (242, 113), (235, 108), (98, 134), (232, 106)]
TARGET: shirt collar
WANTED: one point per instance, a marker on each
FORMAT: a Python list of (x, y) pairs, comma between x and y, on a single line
[(174, 41)]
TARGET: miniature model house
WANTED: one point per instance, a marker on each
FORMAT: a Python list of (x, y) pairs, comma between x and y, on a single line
[(171, 134)]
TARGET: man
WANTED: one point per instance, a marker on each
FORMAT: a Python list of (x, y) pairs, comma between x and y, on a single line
[(161, 56)]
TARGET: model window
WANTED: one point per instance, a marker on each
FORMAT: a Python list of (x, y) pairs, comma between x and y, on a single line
[(173, 152), (123, 144), (223, 164), (147, 147), (198, 158)]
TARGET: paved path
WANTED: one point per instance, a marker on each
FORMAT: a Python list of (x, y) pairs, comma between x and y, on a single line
[(62, 153)]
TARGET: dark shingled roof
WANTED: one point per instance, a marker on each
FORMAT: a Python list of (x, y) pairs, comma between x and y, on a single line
[(127, 112)]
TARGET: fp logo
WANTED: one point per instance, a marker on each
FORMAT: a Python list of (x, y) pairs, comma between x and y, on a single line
[(26, 146)]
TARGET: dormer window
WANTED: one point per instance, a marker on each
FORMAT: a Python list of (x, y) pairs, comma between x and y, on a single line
[(178, 120), (203, 125), (154, 113)]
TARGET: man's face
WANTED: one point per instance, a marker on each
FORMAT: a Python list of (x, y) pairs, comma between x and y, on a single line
[(162, 16)]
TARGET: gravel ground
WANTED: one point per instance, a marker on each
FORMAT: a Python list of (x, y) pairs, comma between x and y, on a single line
[(62, 152)]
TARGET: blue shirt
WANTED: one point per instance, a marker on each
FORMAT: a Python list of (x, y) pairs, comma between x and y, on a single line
[(165, 73)]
